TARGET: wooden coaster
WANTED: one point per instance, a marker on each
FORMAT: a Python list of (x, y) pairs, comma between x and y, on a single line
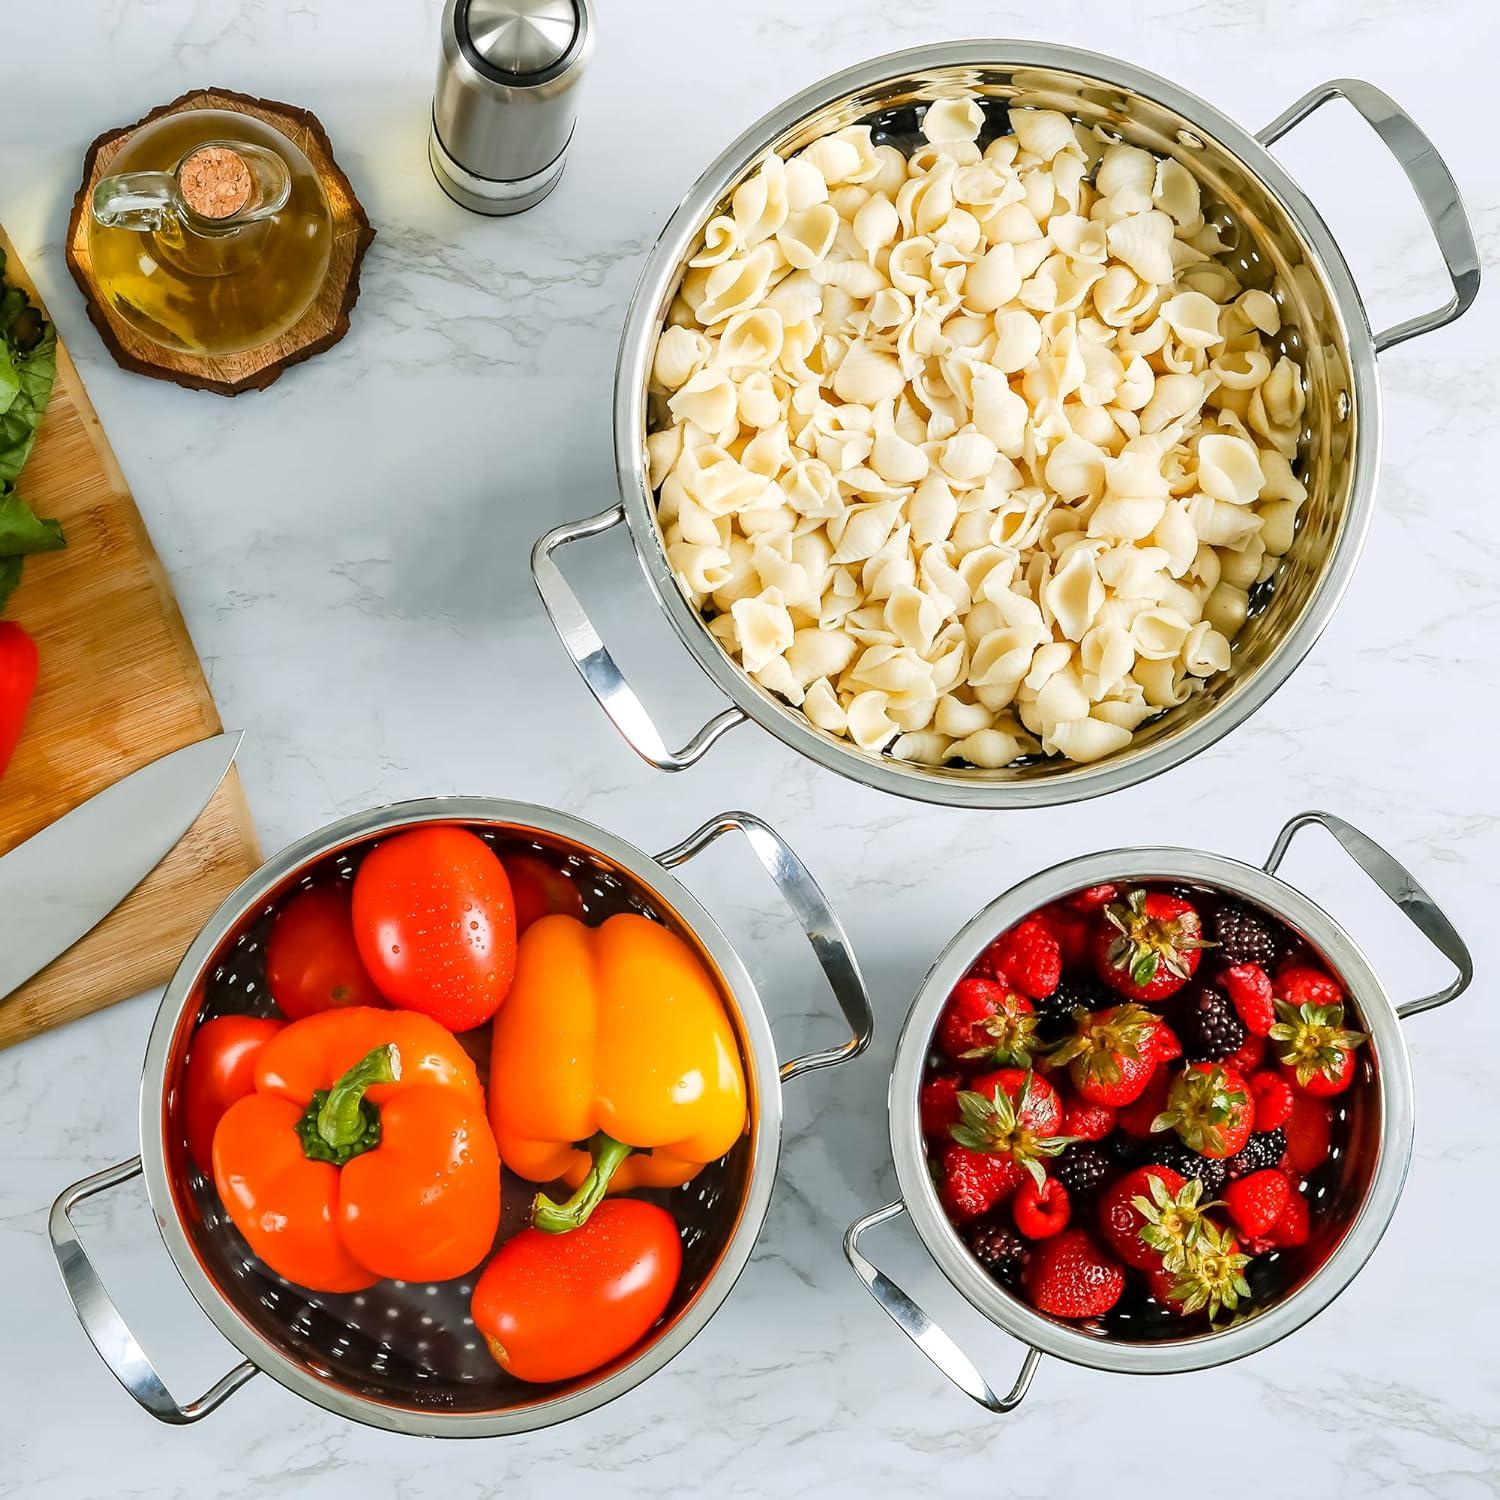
[(319, 328)]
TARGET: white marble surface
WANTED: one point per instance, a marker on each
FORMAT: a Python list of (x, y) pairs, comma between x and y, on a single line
[(350, 552)]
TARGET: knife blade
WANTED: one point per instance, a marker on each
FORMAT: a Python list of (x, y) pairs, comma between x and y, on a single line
[(66, 879)]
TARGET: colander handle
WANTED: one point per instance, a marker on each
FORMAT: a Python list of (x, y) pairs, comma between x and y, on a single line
[(600, 673), (937, 1345), (1397, 882), (817, 919), (1430, 178), (107, 1330)]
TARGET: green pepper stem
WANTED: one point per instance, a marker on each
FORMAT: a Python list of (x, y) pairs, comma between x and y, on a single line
[(340, 1123), (559, 1218)]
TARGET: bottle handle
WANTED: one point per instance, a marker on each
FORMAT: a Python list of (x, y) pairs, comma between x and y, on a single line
[(135, 200), (148, 200)]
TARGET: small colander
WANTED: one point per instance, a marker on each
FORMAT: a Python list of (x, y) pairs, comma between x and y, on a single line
[(400, 1355), (1356, 1194)]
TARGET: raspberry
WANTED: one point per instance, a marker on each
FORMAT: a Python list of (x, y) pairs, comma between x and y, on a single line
[(1029, 957), (1249, 989), (1040, 1212), (938, 1105), (1273, 1099)]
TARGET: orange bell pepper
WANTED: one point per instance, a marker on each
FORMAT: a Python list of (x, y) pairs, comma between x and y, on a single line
[(613, 1063), (363, 1153)]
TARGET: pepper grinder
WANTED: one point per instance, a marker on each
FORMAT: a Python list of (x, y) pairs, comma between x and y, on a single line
[(506, 99)]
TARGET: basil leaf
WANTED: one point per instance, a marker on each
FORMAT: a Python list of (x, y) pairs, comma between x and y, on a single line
[(10, 576), (10, 379), (22, 415), (22, 532), (28, 366)]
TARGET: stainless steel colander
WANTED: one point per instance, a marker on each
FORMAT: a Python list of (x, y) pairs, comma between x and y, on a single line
[(403, 1356), (1281, 245), (1356, 1197)]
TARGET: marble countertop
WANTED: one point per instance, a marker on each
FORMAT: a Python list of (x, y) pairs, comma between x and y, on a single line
[(350, 551)]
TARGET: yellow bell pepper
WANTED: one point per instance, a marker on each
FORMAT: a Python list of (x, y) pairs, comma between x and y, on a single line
[(613, 1063)]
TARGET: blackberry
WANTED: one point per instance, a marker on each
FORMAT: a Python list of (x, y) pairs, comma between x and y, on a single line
[(1126, 1149), (1245, 937), (999, 1249), (1208, 1027), (1081, 1169), (1055, 1013), (1262, 1150), (1209, 1170)]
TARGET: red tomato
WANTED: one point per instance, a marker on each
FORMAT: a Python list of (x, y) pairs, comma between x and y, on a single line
[(554, 1306), (435, 924), (539, 889), (220, 1071), (312, 963)]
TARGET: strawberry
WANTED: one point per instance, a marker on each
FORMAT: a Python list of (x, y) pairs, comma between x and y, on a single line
[(1087, 1122), (1148, 945), (1210, 1108), (1256, 1202), (1162, 1284), (1137, 1118), (1293, 1227), (938, 1106), (1309, 1129), (971, 1183), (1069, 1276), (1111, 1054), (1040, 1211), (1248, 1058), (1212, 1276), (1014, 1116), (1092, 897), (987, 1019), (1072, 927), (1028, 956), (1273, 1100), (1249, 990), (1149, 1215), (1038, 1107), (1301, 984), (1315, 1047)]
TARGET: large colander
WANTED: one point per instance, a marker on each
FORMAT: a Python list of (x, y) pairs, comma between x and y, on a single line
[(406, 1356), (1354, 1196), (1281, 244)]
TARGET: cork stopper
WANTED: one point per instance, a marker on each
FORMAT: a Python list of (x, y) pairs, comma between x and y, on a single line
[(215, 182)]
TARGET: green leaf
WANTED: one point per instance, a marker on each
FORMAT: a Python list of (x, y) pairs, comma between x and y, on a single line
[(10, 379), (35, 370), (21, 531), (28, 366), (10, 576)]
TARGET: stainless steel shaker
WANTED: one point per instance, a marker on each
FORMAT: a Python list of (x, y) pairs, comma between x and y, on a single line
[(507, 98)]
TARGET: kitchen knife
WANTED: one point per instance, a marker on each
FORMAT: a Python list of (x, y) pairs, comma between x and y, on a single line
[(66, 879)]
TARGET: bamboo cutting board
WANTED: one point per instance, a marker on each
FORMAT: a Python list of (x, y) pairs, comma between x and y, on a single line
[(119, 685)]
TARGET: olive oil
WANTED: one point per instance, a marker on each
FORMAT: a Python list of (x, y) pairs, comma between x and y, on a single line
[(192, 282)]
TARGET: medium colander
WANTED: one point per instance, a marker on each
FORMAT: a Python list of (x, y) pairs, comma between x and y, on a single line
[(400, 1355)]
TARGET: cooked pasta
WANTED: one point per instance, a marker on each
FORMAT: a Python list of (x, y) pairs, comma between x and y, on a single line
[(977, 452)]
